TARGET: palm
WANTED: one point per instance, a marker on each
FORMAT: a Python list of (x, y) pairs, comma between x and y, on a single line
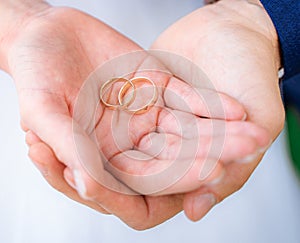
[(169, 144), (50, 60), (239, 55)]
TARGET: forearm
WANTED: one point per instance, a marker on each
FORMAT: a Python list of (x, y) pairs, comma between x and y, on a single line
[(13, 16), (256, 12)]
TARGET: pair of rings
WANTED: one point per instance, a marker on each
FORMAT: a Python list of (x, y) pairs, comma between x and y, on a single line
[(124, 103)]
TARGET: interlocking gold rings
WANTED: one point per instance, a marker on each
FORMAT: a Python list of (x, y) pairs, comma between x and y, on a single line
[(124, 104), (109, 83)]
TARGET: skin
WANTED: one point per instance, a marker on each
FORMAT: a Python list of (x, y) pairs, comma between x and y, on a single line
[(236, 44), (49, 54)]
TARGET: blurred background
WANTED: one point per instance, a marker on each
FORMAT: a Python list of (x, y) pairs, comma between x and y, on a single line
[(266, 209)]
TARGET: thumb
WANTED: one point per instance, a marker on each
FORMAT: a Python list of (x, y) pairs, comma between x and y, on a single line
[(48, 116), (197, 205)]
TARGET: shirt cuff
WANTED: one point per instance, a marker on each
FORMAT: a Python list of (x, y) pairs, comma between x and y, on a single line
[(286, 18)]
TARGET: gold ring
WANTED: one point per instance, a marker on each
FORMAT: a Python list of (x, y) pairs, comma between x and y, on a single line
[(111, 82), (125, 88)]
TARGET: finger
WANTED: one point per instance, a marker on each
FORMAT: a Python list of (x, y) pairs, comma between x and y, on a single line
[(159, 164), (23, 126), (53, 125), (136, 212), (31, 138), (189, 126), (207, 172), (139, 212), (55, 173), (150, 176), (199, 202), (72, 146), (209, 103), (158, 151), (171, 147), (197, 205)]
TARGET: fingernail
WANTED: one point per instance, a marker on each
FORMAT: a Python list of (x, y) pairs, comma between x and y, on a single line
[(264, 149), (218, 179), (207, 169), (79, 183), (71, 183), (244, 117), (248, 159), (42, 168), (202, 204)]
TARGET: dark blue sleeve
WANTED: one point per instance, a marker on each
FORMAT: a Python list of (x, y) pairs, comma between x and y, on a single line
[(285, 15)]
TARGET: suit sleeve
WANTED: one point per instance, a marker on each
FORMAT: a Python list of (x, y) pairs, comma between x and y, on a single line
[(285, 15)]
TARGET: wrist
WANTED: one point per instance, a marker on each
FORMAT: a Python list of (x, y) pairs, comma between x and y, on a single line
[(252, 15), (14, 14), (256, 2)]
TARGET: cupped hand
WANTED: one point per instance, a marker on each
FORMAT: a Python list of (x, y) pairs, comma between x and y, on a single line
[(236, 45), (50, 58)]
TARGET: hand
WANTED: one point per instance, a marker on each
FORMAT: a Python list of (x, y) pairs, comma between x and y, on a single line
[(49, 60), (235, 43)]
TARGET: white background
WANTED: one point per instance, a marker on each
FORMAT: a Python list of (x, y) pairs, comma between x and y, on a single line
[(265, 210)]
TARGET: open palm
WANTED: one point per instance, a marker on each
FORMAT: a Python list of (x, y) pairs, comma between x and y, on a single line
[(49, 60)]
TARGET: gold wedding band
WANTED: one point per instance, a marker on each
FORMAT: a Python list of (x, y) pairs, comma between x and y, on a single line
[(145, 107), (110, 83), (128, 83)]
